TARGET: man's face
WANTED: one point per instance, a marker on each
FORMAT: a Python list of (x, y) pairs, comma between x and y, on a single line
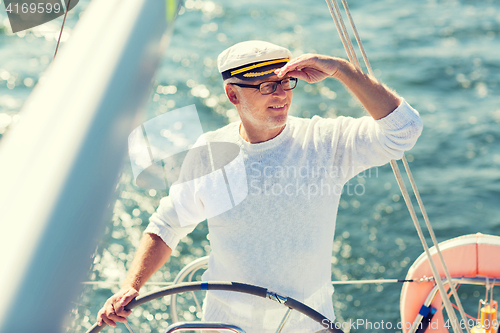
[(263, 111)]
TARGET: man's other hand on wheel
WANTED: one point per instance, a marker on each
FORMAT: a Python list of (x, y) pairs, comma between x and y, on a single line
[(114, 309)]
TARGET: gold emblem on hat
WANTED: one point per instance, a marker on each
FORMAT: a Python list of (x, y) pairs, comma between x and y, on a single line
[(258, 74)]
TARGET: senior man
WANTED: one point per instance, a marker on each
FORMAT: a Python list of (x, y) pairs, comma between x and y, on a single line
[(280, 236)]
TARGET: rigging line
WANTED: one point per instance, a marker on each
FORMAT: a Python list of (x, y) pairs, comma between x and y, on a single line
[(375, 281), (339, 30), (456, 307), (356, 35), (346, 33), (118, 283), (62, 27), (434, 240), (396, 168), (442, 290), (468, 315)]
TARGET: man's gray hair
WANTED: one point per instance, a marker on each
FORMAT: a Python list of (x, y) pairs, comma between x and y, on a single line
[(231, 80)]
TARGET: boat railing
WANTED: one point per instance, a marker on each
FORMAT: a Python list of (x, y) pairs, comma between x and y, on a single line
[(479, 281), (186, 275)]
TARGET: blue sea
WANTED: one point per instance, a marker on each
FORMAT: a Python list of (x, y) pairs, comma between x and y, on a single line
[(442, 56)]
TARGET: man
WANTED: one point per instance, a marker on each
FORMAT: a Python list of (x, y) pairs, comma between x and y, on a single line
[(280, 236)]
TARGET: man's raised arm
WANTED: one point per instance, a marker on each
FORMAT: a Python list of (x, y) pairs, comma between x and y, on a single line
[(151, 254), (377, 99)]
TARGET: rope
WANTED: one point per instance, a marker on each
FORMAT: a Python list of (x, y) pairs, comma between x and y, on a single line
[(92, 283), (395, 168), (433, 236), (346, 34), (362, 49), (446, 301), (375, 281), (468, 315), (62, 27), (341, 34)]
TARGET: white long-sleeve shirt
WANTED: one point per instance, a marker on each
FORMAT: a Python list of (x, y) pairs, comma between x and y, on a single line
[(279, 235)]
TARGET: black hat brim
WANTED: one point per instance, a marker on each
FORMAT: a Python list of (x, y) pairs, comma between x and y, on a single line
[(253, 74)]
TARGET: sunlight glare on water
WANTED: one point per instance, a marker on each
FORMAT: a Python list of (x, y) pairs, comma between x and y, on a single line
[(441, 56)]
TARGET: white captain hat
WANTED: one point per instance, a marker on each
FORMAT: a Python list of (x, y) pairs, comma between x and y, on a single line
[(252, 60)]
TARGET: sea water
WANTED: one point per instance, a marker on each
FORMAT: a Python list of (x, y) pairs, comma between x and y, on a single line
[(442, 56)]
